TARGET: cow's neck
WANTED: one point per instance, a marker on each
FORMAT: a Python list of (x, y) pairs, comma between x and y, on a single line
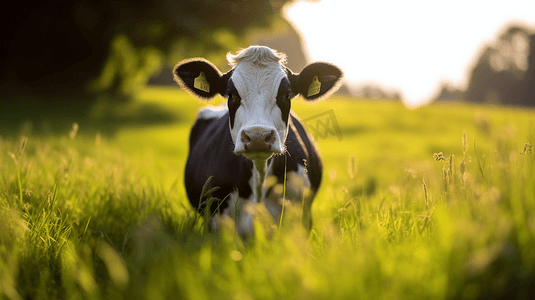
[(260, 166)]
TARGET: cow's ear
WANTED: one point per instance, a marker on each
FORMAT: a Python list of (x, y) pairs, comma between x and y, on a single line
[(316, 81), (200, 78)]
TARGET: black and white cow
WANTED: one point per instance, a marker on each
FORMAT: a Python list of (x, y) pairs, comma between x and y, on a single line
[(247, 145)]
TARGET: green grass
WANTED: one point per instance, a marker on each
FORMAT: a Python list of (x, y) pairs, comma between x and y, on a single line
[(101, 212)]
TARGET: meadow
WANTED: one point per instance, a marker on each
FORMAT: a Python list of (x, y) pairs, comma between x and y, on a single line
[(436, 202)]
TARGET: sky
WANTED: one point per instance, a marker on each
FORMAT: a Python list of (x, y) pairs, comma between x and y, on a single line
[(412, 46)]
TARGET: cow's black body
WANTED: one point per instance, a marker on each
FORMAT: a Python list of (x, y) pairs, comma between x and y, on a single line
[(211, 155)]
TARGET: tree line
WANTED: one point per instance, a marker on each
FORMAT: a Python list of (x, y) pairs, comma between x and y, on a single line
[(504, 72)]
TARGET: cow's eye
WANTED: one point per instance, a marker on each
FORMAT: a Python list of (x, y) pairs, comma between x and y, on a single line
[(289, 94), (233, 104), (232, 97)]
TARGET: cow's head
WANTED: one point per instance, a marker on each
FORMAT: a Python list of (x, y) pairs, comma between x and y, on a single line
[(259, 89)]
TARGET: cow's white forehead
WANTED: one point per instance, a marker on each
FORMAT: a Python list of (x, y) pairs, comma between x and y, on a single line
[(258, 70), (253, 80)]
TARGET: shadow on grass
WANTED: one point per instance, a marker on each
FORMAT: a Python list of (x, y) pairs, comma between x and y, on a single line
[(105, 115)]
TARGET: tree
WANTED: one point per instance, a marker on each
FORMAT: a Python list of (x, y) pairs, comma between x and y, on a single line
[(448, 92), (52, 47), (526, 92), (504, 70)]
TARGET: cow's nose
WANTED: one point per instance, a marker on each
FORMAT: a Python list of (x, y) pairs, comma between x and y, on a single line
[(257, 139)]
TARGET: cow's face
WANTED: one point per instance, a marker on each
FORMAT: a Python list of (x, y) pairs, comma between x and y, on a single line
[(259, 107), (259, 89)]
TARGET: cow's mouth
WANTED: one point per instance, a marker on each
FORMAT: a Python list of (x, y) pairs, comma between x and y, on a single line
[(258, 155)]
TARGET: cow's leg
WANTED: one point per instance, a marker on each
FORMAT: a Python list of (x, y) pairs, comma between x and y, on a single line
[(239, 209)]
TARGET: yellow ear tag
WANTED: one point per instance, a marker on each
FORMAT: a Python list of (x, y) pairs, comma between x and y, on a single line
[(200, 83), (314, 87)]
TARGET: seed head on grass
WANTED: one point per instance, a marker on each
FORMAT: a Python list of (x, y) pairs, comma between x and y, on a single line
[(23, 142), (439, 156), (452, 165), (528, 149), (426, 194), (462, 170), (445, 178)]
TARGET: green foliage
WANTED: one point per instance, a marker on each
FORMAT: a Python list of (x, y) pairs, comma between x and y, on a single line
[(90, 216), (80, 47), (127, 69)]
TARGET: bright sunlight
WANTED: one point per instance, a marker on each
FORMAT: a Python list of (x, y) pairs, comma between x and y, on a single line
[(412, 46)]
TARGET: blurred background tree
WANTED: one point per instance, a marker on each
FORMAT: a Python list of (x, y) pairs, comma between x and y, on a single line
[(64, 48), (505, 70)]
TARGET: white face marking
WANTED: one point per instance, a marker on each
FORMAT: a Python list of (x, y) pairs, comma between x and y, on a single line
[(258, 113)]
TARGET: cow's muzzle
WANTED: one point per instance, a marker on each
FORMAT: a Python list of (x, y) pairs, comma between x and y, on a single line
[(258, 140)]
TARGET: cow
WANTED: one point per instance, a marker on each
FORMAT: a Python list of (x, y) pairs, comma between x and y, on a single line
[(242, 150)]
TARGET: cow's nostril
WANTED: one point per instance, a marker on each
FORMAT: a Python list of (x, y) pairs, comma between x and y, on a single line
[(269, 137), (245, 138)]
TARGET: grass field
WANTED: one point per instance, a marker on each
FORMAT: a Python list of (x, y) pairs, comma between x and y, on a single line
[(99, 211)]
